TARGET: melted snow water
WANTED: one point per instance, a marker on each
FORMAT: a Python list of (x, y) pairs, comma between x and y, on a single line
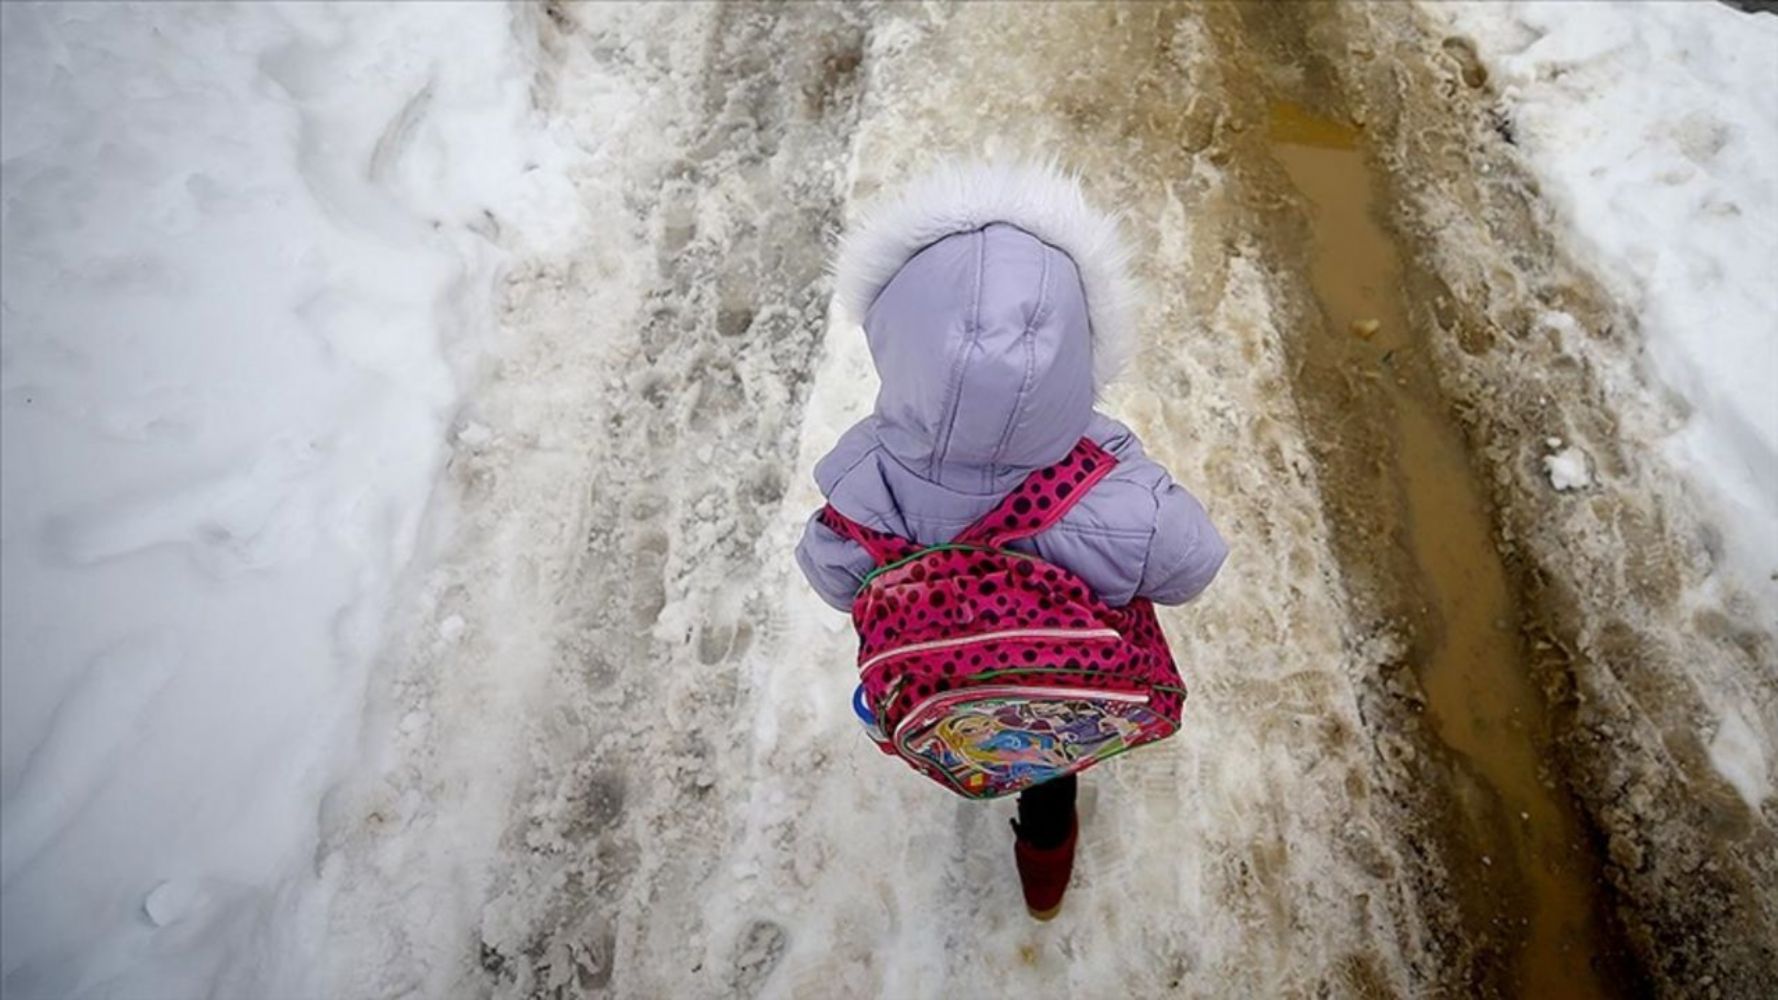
[(1471, 664)]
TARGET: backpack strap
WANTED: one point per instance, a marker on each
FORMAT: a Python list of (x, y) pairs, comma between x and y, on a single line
[(1042, 499), (883, 547)]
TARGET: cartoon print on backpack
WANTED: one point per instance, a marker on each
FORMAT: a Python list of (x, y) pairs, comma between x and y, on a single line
[(1024, 742)]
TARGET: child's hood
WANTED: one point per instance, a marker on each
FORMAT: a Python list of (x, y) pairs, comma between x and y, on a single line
[(995, 301)]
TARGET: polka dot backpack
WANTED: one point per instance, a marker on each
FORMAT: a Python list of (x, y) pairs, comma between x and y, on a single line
[(990, 670)]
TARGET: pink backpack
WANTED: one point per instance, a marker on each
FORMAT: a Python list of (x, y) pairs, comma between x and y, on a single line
[(989, 670)]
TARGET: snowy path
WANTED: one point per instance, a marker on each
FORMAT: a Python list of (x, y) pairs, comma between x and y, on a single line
[(762, 844), (607, 748), (622, 757)]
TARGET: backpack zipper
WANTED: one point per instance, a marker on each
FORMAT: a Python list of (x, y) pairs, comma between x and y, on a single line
[(1017, 633)]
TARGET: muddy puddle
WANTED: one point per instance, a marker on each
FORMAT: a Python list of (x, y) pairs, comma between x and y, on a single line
[(1469, 657)]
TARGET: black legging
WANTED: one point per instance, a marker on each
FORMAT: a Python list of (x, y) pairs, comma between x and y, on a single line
[(1046, 812)]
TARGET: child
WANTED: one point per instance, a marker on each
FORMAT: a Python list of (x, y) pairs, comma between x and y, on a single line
[(997, 305)]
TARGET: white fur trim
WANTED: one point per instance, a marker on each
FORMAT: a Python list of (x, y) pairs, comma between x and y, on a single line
[(961, 197)]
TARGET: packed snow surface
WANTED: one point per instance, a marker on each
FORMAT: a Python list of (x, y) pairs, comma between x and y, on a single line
[(1653, 131), (248, 260), (636, 770)]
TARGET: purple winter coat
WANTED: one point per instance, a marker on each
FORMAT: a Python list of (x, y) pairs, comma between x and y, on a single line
[(983, 345)]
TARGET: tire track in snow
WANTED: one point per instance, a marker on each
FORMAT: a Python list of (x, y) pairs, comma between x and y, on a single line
[(1644, 652), (1415, 536)]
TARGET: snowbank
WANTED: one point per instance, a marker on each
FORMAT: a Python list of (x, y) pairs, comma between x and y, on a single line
[(249, 258), (1652, 130)]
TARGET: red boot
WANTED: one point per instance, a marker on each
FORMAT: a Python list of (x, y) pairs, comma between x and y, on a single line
[(1044, 871)]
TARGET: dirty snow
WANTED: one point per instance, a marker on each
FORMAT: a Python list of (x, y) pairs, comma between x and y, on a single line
[(1653, 131), (406, 421), (249, 256), (637, 770)]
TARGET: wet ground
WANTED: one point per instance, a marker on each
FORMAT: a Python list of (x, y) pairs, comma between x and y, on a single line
[(1445, 737), (1468, 654)]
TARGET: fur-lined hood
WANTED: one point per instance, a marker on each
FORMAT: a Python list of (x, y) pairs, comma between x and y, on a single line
[(1039, 199), (996, 303)]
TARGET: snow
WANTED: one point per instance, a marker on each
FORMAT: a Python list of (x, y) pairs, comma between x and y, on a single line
[(1653, 134), (250, 252), (637, 770), (1738, 754), (1567, 468), (395, 598)]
